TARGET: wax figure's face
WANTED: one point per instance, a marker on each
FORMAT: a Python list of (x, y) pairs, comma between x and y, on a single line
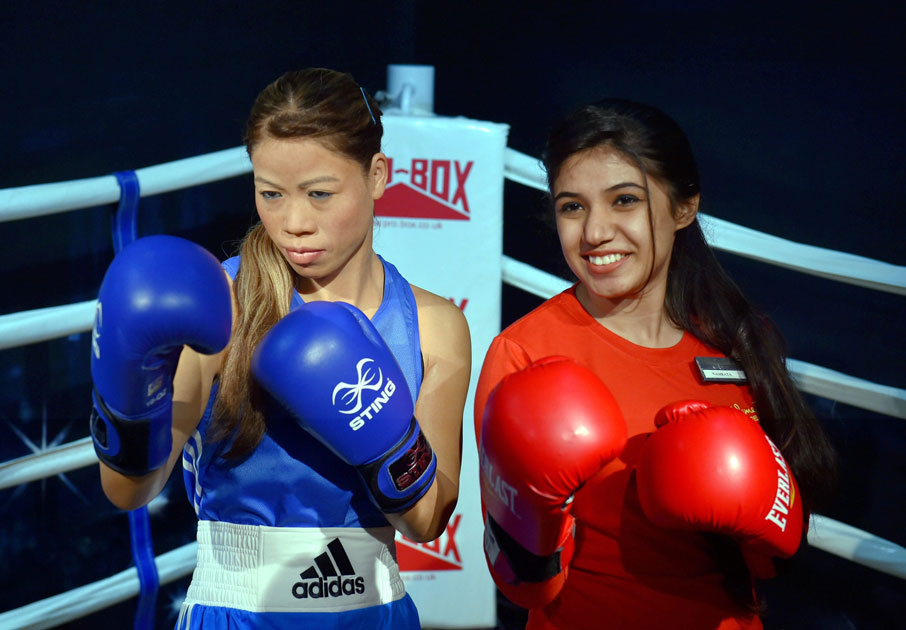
[(316, 204), (601, 210)]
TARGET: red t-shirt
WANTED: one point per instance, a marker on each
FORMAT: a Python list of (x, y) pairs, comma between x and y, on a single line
[(626, 572)]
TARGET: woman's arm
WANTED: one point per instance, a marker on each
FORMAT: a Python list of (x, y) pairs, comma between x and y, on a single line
[(192, 381), (447, 353), (191, 388)]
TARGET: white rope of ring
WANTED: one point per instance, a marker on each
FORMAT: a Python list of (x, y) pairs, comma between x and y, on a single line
[(44, 324)]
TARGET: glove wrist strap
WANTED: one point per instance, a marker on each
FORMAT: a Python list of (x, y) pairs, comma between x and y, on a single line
[(132, 447), (398, 479), (526, 566)]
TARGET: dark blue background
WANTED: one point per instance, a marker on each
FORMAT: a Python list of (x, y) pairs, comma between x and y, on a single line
[(795, 113)]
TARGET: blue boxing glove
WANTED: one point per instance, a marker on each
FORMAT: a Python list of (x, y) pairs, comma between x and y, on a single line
[(327, 364), (159, 293)]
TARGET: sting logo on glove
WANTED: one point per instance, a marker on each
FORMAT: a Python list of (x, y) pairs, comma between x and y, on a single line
[(352, 394)]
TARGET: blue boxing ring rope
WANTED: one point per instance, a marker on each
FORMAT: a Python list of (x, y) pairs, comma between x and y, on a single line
[(40, 325)]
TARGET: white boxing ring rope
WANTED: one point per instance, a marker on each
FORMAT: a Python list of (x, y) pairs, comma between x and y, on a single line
[(18, 329)]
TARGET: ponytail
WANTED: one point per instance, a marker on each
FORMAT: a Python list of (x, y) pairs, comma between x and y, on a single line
[(263, 288)]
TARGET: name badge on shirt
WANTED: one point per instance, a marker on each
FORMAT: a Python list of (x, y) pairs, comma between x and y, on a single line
[(720, 370)]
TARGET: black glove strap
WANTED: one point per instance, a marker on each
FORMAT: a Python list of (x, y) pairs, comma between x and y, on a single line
[(123, 445), (527, 566), (408, 469)]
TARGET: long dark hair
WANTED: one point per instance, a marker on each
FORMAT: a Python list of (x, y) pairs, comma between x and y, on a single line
[(701, 297), (313, 103)]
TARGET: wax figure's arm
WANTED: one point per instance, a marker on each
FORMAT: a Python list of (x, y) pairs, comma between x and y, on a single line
[(192, 383), (191, 388), (447, 354)]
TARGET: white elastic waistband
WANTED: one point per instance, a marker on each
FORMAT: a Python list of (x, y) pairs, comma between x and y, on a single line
[(289, 569)]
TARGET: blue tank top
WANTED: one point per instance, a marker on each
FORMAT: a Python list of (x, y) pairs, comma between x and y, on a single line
[(291, 479)]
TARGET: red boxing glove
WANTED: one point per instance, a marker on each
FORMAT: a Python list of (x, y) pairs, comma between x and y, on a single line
[(714, 469), (545, 431)]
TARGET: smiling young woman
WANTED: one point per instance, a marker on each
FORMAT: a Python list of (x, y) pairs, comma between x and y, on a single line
[(616, 232), (583, 403)]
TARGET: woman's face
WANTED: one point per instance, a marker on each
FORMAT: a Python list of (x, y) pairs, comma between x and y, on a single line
[(316, 204), (601, 211)]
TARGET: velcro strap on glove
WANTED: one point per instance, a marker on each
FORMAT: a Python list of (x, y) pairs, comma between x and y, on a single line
[(132, 447), (526, 566), (399, 478)]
